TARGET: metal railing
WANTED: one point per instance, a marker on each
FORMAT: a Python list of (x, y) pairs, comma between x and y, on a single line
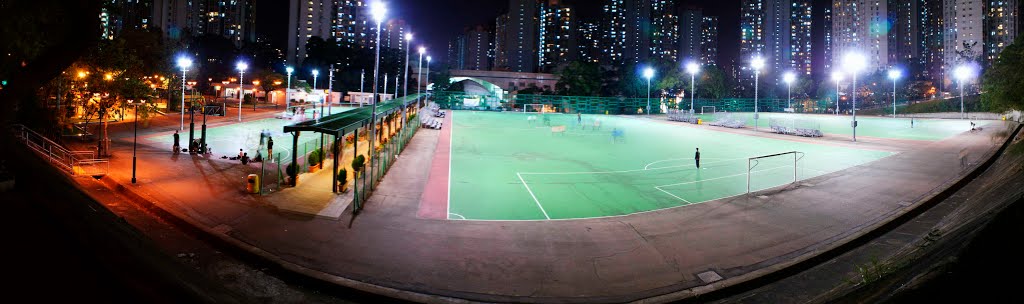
[(76, 163)]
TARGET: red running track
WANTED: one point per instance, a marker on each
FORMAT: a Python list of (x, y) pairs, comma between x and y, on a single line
[(434, 203)]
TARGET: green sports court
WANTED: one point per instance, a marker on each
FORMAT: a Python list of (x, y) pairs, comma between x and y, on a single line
[(513, 166)]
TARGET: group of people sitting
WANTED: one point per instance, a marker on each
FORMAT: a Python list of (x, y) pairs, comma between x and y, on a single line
[(244, 157), (430, 120)]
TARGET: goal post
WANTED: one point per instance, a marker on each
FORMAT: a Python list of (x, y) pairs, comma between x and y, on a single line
[(704, 109), (753, 162)]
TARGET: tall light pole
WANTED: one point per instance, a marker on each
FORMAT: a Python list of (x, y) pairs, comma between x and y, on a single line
[(693, 69), (135, 138), (428, 74), (757, 63), (315, 74), (183, 63), (837, 76), (788, 78), (962, 73), (648, 73), (241, 87), (377, 10), (894, 75), (419, 76), (853, 63), (385, 85), (405, 80), (330, 88), (287, 102)]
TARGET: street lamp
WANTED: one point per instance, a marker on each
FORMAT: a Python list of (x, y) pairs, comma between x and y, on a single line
[(853, 63), (255, 87), (693, 69), (837, 76), (419, 74), (315, 74), (894, 75), (757, 63), (962, 73), (788, 78), (405, 79), (428, 74), (287, 102), (378, 11), (135, 138), (183, 63), (241, 88), (648, 73)]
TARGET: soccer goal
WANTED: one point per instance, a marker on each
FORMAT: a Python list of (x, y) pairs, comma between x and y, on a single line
[(774, 161), (533, 108), (704, 109)]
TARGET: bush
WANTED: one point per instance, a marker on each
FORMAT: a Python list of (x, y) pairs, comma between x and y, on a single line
[(342, 176), (291, 170), (358, 162), (315, 157)]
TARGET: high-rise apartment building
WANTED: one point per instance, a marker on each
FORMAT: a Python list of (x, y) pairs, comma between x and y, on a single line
[(962, 33), (860, 26), (590, 42), (457, 53), (558, 35), (307, 18), (664, 30), (234, 20), (627, 31), (905, 34), (800, 55), (1000, 27), (780, 32), (521, 35), (477, 45), (501, 44), (691, 32), (931, 43), (351, 23), (709, 41), (827, 51), (120, 15)]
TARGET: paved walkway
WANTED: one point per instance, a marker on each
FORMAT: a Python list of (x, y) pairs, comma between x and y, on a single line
[(671, 253)]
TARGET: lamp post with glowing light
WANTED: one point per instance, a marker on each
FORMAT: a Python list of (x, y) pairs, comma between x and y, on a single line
[(316, 73), (135, 138), (648, 73), (788, 78), (693, 69), (837, 76), (241, 88), (405, 80), (419, 76), (287, 102), (428, 74), (183, 63), (757, 63), (378, 11), (255, 87), (854, 63), (894, 75), (962, 73)]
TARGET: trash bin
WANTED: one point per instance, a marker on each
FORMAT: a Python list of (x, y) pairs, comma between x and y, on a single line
[(699, 121), (252, 183)]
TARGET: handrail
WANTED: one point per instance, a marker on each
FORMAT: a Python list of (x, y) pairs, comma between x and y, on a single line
[(73, 162)]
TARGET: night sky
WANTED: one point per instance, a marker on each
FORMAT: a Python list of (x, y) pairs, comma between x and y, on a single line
[(435, 22)]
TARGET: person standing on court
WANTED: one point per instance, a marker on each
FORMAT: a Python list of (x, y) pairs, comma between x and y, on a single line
[(696, 158), (270, 148), (177, 142)]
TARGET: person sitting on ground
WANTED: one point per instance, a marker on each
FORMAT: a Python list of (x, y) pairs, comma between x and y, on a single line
[(240, 153), (258, 158), (245, 158)]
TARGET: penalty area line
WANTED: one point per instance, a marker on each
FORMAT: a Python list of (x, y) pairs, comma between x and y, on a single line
[(534, 196)]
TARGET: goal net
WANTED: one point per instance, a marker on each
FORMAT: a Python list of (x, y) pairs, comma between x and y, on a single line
[(533, 108), (772, 170), (707, 109)]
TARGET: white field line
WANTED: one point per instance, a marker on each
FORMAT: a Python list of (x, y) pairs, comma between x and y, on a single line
[(534, 196), (647, 167), (673, 195), (624, 171), (451, 146), (456, 214), (721, 177)]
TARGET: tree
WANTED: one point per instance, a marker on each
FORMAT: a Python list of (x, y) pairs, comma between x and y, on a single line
[(713, 83), (1003, 83), (580, 79), (442, 80)]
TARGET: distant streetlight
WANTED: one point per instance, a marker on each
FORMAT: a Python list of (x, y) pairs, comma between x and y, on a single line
[(184, 63), (315, 74), (837, 76), (419, 76), (288, 102), (788, 78), (648, 73), (894, 75), (405, 80), (429, 59), (962, 73), (757, 63), (693, 68), (241, 88), (854, 63)]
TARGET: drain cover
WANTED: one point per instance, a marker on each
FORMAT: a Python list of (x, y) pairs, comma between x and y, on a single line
[(709, 276)]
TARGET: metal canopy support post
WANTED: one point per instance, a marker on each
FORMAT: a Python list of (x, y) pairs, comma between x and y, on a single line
[(355, 183), (295, 158), (334, 176)]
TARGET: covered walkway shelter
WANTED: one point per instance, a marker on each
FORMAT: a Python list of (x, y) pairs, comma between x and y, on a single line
[(341, 124)]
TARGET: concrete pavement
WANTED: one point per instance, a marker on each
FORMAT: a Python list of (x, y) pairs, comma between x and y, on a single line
[(669, 254)]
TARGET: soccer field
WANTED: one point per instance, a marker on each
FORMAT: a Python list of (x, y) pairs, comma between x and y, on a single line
[(871, 126), (506, 167)]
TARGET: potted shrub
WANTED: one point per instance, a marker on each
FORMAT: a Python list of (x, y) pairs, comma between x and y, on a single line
[(292, 171), (343, 180), (314, 160), (357, 165)]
